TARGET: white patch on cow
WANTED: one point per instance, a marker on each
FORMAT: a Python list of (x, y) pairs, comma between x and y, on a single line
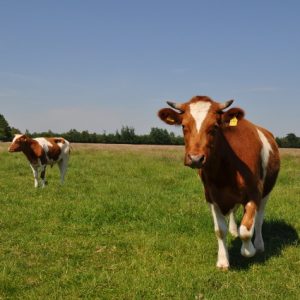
[(265, 152), (64, 158), (247, 249), (221, 231), (44, 143), (199, 111), (258, 241), (16, 137), (35, 175)]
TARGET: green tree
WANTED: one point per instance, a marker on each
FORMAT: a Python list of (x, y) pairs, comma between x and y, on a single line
[(279, 142), (5, 130), (128, 135), (289, 141), (292, 140), (15, 131), (159, 136)]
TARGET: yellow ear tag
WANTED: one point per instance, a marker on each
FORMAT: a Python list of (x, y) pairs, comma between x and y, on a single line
[(233, 121), (169, 119)]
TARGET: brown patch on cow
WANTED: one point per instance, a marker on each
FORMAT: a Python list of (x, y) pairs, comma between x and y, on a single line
[(36, 148), (34, 151), (58, 140), (249, 214), (54, 150), (240, 180), (199, 98)]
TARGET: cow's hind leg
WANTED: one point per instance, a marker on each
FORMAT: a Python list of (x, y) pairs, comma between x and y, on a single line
[(247, 228), (258, 241), (63, 164), (220, 226), (232, 224), (43, 175)]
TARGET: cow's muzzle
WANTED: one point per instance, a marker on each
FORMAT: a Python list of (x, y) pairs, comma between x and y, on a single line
[(195, 161), (12, 149)]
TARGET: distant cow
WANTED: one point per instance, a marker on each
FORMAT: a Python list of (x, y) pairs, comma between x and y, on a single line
[(42, 152), (238, 163)]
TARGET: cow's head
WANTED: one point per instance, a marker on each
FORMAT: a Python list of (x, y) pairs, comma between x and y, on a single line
[(22, 142), (18, 143), (200, 118)]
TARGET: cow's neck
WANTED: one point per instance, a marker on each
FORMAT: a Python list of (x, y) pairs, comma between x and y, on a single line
[(29, 153), (218, 160)]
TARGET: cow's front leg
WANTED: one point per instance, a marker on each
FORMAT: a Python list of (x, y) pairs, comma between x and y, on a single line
[(221, 232), (35, 175), (247, 228)]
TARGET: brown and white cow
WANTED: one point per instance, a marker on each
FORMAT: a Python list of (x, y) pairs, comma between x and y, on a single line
[(41, 152), (238, 164)]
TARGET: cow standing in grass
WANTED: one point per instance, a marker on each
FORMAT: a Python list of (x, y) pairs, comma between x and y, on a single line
[(41, 152), (238, 164)]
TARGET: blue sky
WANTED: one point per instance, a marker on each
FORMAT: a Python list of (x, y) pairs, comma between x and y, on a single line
[(98, 65)]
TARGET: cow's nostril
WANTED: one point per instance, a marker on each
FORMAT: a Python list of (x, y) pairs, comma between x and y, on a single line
[(197, 159)]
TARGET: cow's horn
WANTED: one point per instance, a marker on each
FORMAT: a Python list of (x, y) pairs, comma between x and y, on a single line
[(175, 105), (226, 104)]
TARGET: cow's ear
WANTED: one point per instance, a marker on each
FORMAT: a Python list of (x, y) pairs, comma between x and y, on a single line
[(170, 116), (22, 138), (37, 149), (231, 114)]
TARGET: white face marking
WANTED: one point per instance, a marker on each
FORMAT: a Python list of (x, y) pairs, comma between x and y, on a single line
[(265, 152), (199, 111), (16, 137)]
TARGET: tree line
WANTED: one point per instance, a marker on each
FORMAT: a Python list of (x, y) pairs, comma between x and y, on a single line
[(126, 135)]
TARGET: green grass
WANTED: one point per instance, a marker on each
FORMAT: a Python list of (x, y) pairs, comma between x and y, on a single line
[(134, 225)]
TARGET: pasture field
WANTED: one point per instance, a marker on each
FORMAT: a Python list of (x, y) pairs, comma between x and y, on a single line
[(131, 222)]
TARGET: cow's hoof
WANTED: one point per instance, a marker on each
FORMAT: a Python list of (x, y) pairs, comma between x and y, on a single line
[(259, 246), (223, 266), (234, 232), (248, 249), (224, 269)]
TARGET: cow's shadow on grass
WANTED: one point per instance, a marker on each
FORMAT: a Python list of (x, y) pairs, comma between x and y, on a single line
[(277, 234)]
